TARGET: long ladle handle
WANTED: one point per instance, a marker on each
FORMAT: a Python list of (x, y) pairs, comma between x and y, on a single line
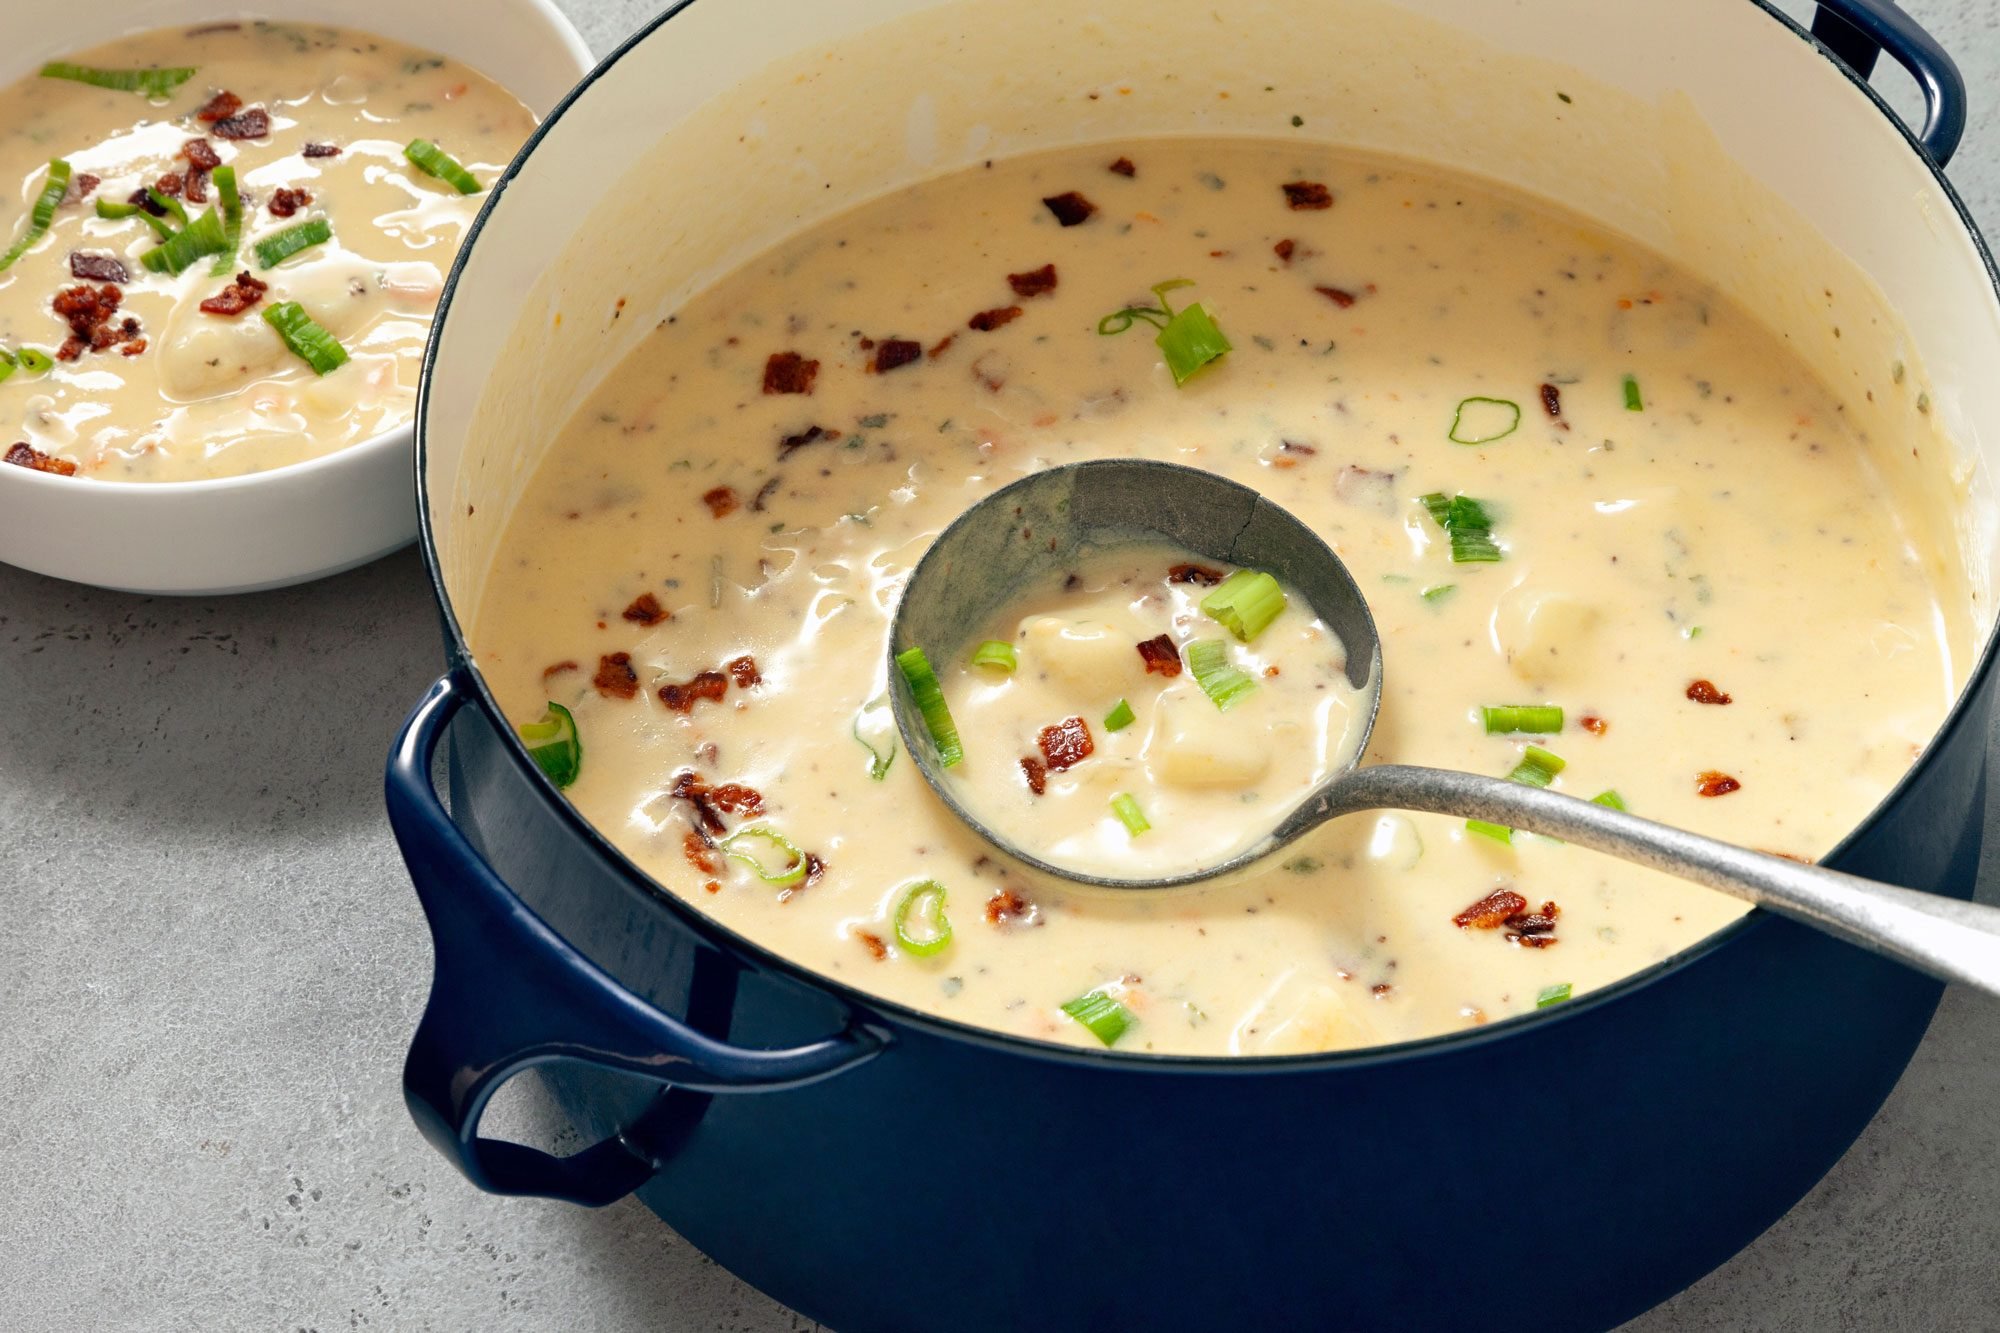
[(1953, 940)]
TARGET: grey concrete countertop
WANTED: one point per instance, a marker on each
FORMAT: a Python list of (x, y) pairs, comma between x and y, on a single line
[(210, 961)]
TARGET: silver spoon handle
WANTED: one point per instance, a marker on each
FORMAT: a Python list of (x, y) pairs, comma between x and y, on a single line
[(1952, 940)]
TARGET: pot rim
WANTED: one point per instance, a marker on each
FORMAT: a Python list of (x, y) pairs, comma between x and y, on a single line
[(746, 951)]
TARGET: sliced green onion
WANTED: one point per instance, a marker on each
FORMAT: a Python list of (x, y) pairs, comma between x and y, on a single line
[(35, 361), (434, 161), (1119, 717), (923, 683), (1485, 427), (232, 221), (882, 750), (790, 874), (994, 653), (1611, 799), (43, 212), (203, 237), (275, 249), (1104, 1016), (1190, 341), (1497, 832), (7, 364), (1129, 814), (319, 349), (155, 83), (107, 208), (1224, 684), (174, 207), (1159, 317), (1555, 994), (1245, 603), (927, 895), (1538, 768), (1633, 402), (1438, 592), (553, 744), (1467, 523), (1505, 719)]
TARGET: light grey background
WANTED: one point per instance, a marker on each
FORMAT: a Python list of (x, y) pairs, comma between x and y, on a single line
[(210, 960)]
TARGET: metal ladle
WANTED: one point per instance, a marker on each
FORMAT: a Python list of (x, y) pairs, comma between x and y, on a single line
[(1025, 533)]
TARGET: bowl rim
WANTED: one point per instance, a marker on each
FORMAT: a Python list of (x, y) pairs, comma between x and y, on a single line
[(403, 435), (748, 952)]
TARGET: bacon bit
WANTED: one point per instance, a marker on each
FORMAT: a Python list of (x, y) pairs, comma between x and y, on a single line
[(287, 201), (82, 186), (1071, 209), (615, 678), (1305, 196), (1294, 447), (1343, 299), (1066, 744), (1035, 282), (96, 268), (567, 664), (197, 187), (646, 610), (705, 685), (791, 444), (1704, 692), (1200, 574), (1009, 908), (1380, 988), (244, 292), (743, 670), (709, 804), (27, 456), (1593, 724), (815, 868), (322, 150), (1552, 403), (145, 201), (988, 320), (1488, 913), (134, 347), (201, 154), (700, 854), (1037, 774), (893, 352), (172, 185), (1160, 656), (1285, 249), (721, 501), (874, 943), (1533, 930), (943, 345), (1123, 167), (995, 379), (88, 311), (1710, 782), (788, 372), (764, 492), (252, 124), (219, 107)]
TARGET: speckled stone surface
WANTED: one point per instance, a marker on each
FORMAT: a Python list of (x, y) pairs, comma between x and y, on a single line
[(210, 960)]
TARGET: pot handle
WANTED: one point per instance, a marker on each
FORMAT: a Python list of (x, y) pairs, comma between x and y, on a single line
[(507, 992), (1856, 30)]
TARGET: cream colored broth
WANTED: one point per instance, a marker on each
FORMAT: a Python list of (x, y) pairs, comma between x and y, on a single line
[(1729, 531), (214, 396), (1210, 782)]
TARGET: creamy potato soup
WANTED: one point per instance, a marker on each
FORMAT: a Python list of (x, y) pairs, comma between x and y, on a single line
[(316, 181), (1573, 481)]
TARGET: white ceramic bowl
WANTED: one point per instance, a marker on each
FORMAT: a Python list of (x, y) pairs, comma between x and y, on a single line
[(292, 523)]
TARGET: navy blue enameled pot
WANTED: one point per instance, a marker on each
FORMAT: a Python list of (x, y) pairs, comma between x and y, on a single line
[(876, 1168)]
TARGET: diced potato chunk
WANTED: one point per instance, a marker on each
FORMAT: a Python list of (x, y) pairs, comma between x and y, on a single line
[(1089, 655), (1195, 744), (1546, 635)]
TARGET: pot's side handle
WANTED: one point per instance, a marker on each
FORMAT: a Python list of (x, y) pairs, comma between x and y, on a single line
[(1855, 30), (507, 992)]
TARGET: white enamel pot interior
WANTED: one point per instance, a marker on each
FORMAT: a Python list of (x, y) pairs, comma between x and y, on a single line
[(292, 523)]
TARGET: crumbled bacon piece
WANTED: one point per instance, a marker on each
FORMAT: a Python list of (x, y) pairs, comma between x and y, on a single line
[(201, 154), (1294, 447), (721, 501), (709, 804), (1200, 574), (286, 201), (567, 664), (27, 456), (82, 186), (1066, 744), (1123, 167), (988, 320), (699, 853), (791, 444), (764, 492), (96, 268), (941, 346), (1304, 196), (615, 678), (321, 150), (1160, 656), (219, 107), (1037, 774), (145, 201), (1009, 907), (1341, 298), (1593, 724), (876, 948), (743, 670), (1070, 208), (1285, 249), (1489, 912), (173, 185), (893, 352), (252, 124), (88, 311), (134, 347), (646, 610), (1711, 782), (788, 372), (1035, 282), (1533, 930), (1704, 692), (705, 685), (1552, 402), (242, 293), (197, 187)]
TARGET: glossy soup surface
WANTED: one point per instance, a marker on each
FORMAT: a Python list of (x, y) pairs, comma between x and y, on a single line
[(185, 393), (1695, 567)]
